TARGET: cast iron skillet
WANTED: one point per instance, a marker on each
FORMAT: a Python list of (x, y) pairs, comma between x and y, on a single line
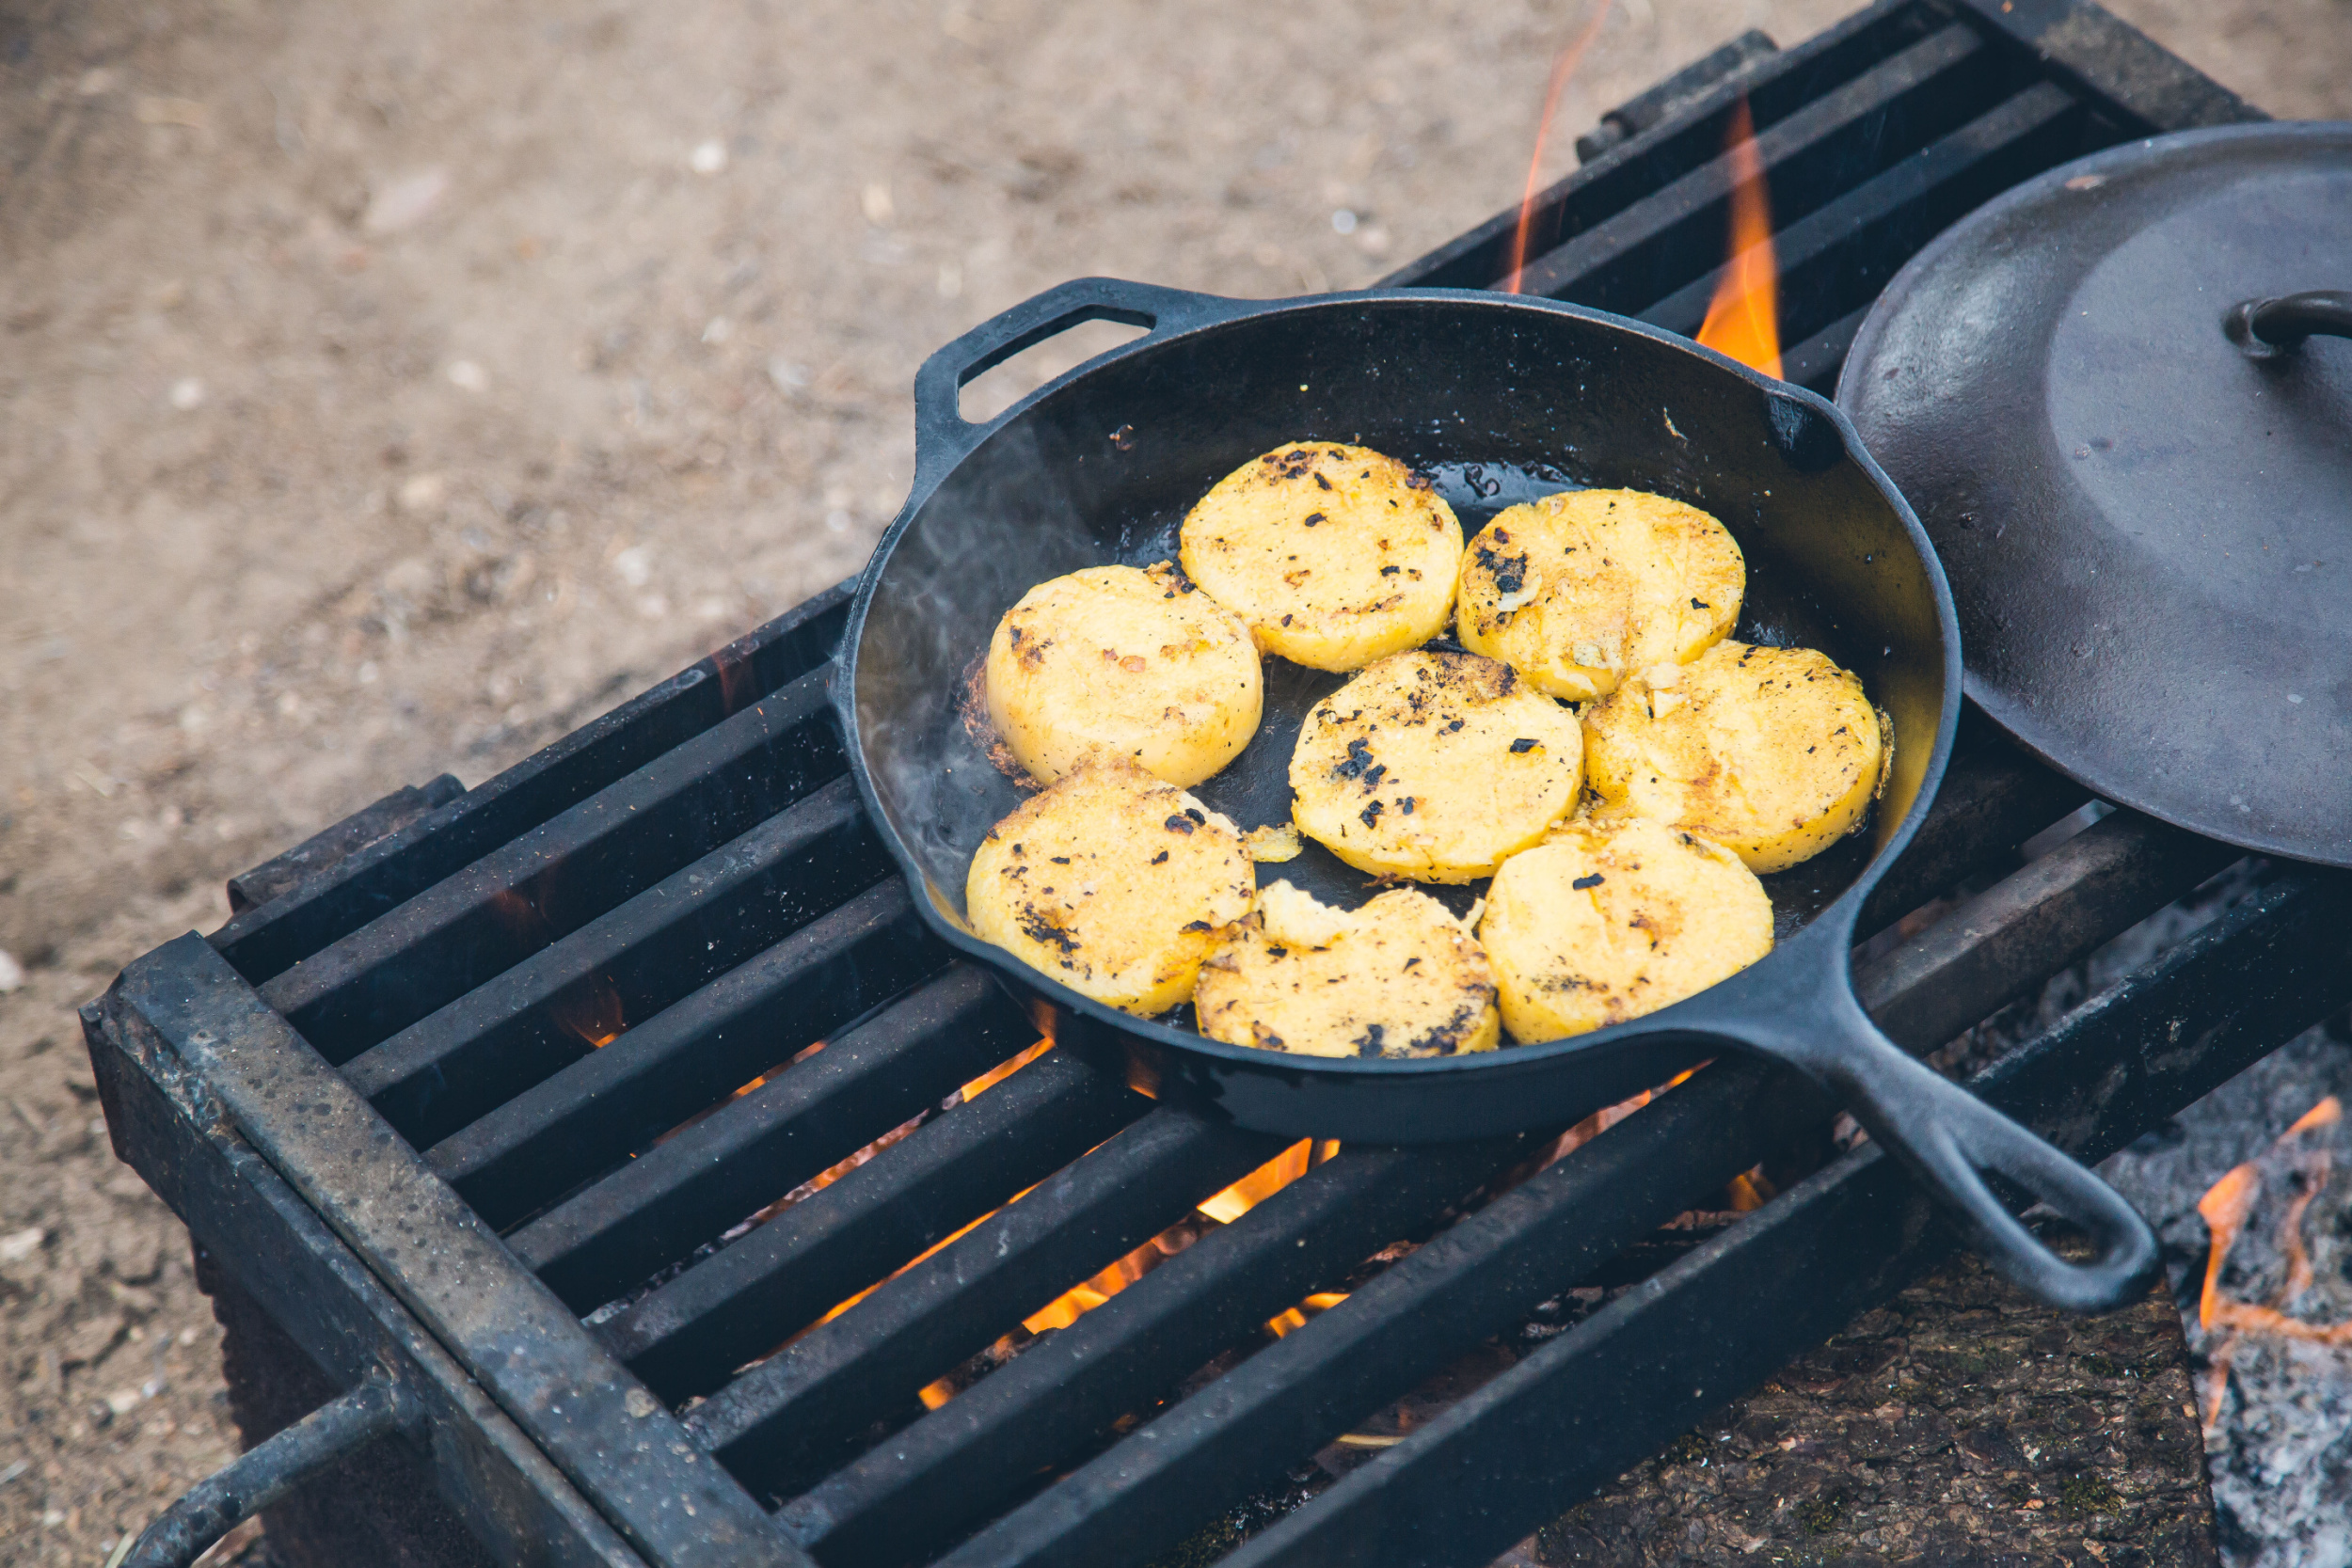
[(1499, 398)]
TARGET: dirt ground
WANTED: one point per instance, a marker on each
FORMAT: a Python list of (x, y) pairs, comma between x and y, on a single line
[(386, 390)]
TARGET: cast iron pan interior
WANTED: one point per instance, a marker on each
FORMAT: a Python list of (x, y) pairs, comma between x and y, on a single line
[(1499, 398)]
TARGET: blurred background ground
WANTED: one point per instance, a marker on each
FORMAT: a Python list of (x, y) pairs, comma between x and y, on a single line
[(386, 390)]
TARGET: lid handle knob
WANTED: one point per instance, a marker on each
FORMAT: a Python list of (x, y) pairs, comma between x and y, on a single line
[(2266, 328)]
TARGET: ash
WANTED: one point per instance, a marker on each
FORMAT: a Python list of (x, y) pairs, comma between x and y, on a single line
[(2278, 1411)]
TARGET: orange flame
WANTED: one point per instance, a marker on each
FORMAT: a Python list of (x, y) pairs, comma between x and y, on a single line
[(1267, 1180), (1321, 1301), (2226, 1207), (1562, 67), (1221, 1208), (1603, 1119), (590, 1009), (1006, 1069), (1743, 318)]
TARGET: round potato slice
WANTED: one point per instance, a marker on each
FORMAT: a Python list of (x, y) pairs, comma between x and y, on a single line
[(1398, 978), (1576, 590), (1775, 753), (1134, 663), (1608, 920), (1334, 555), (1435, 766), (1113, 883)]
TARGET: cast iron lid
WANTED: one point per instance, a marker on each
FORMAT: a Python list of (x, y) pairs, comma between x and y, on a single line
[(2145, 509)]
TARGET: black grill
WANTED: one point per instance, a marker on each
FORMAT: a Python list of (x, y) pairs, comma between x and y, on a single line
[(377, 1097)]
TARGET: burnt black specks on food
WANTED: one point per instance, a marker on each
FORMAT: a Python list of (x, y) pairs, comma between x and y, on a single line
[(1406, 806), (1369, 815), (1323, 482), (1038, 928), (1509, 572), (1293, 464), (1447, 1037), (1059, 859), (1194, 925), (1521, 745), (1584, 883), (1314, 517), (1701, 604), (1359, 761), (1160, 858), (1368, 1043), (1179, 823)]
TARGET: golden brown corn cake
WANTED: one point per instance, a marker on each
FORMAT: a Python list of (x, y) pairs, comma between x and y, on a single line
[(1113, 883), (1433, 766), (1399, 977), (1775, 753), (1576, 590), (1134, 663), (1608, 920), (1334, 555)]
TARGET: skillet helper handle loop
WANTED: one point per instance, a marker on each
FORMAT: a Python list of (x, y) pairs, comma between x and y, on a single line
[(2266, 328), (1948, 1137), (939, 424)]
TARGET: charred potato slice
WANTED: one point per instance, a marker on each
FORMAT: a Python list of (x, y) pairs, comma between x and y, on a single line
[(1334, 555), (1775, 753), (1398, 978), (1134, 663), (1608, 920), (1433, 766), (1113, 883), (1576, 590)]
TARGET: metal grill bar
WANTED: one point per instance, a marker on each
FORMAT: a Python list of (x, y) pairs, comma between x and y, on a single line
[(446, 1266), (653, 1210), (1578, 1411), (608, 1103), (1638, 168), (2005, 941), (1639, 255), (743, 1301), (281, 874), (521, 897), (1245, 1431), (1549, 1233), (1815, 361), (470, 1058), (955, 1466), (330, 905), (1841, 255), (791, 1413), (1992, 799)]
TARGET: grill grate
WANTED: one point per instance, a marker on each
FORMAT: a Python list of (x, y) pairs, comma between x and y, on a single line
[(407, 1033)]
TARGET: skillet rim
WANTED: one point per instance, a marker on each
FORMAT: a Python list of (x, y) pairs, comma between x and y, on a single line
[(1695, 1017)]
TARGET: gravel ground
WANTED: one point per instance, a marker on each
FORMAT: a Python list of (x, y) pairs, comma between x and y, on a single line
[(390, 389)]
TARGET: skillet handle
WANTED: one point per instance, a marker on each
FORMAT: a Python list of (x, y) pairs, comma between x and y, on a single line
[(1948, 1137), (940, 426)]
